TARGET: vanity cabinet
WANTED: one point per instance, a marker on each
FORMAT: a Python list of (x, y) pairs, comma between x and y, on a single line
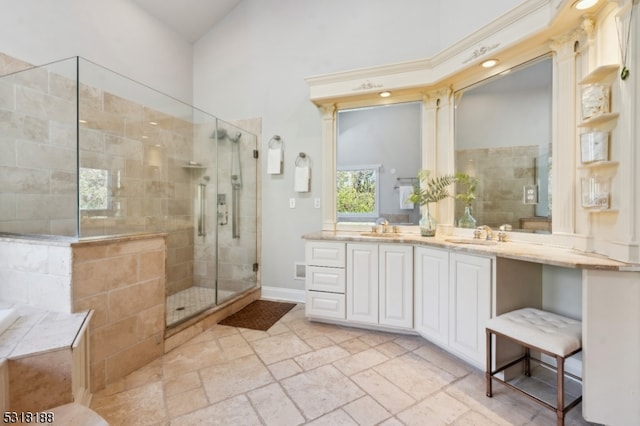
[(453, 300), (432, 294), (380, 284), (325, 279), (469, 305)]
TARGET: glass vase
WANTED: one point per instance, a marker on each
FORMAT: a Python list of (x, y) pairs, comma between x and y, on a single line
[(467, 220), (427, 225)]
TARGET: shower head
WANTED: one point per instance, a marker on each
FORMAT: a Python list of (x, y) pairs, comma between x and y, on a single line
[(219, 134), (236, 137), (222, 134)]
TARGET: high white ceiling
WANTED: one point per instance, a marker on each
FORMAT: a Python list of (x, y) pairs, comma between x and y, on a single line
[(190, 18)]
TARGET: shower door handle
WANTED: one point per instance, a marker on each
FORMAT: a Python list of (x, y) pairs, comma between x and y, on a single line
[(235, 212), (202, 224)]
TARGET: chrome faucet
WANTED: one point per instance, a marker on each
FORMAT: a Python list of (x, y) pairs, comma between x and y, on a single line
[(502, 235), (382, 226), (487, 229)]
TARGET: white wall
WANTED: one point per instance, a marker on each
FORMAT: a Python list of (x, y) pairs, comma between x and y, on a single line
[(459, 18), (115, 34), (254, 62)]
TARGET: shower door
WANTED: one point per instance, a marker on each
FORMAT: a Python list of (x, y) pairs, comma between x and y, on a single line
[(236, 207)]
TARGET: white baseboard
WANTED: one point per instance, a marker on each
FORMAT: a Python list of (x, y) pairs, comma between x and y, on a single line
[(285, 294)]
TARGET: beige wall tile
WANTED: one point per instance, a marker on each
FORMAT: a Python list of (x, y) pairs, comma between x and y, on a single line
[(98, 374), (133, 358), (113, 338), (151, 321), (131, 300), (99, 305), (40, 382), (151, 265)]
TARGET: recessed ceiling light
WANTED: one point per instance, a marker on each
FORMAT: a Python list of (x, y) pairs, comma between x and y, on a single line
[(384, 94), (584, 4), (153, 123), (490, 63)]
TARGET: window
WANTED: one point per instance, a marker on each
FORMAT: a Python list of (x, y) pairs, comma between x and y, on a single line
[(94, 189), (357, 192)]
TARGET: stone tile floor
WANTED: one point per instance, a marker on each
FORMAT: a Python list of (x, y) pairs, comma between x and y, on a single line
[(299, 372)]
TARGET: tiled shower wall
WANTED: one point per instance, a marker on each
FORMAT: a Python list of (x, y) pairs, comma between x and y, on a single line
[(144, 151), (499, 194), (37, 151)]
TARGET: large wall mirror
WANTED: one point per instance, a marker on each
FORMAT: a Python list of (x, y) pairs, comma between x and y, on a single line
[(503, 137), (378, 156)]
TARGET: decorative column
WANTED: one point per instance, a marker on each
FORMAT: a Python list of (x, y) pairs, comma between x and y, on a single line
[(329, 166), (438, 143), (564, 194)]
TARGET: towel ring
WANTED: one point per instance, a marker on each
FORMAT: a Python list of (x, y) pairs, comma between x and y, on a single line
[(276, 140), (302, 160)]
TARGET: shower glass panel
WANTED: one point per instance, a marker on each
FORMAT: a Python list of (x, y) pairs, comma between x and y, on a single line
[(86, 152)]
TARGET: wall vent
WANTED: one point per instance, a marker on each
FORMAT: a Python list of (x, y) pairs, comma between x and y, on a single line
[(300, 271)]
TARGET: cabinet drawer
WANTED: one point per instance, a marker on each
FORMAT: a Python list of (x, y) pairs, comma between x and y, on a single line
[(325, 254), (320, 278), (328, 305)]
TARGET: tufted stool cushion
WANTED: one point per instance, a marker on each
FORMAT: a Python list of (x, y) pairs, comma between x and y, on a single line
[(545, 330)]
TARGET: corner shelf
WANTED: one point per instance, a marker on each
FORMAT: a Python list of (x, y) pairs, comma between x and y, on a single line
[(599, 120), (599, 74), (592, 210), (598, 165)]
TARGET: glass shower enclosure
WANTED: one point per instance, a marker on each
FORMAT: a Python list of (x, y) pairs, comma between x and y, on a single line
[(88, 153)]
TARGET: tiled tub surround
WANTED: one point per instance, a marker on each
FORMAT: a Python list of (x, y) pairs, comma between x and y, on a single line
[(47, 358), (121, 279)]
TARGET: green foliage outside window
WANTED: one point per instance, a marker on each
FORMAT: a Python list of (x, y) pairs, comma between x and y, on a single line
[(93, 189), (356, 191)]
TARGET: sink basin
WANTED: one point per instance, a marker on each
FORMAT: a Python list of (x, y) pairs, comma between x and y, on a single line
[(471, 241), (376, 234)]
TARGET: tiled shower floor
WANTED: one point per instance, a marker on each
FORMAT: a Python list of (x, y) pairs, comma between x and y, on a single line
[(192, 300)]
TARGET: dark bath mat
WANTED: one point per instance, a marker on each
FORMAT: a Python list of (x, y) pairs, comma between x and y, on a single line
[(258, 315)]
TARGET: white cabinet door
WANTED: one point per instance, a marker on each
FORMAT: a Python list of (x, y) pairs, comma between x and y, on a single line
[(432, 294), (362, 283), (396, 285), (470, 305)]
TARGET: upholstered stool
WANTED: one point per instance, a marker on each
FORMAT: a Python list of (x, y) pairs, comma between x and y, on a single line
[(533, 329)]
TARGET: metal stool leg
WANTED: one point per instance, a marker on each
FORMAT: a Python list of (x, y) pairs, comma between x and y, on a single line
[(560, 386), (488, 369)]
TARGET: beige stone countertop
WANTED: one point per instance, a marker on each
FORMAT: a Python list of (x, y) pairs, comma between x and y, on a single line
[(39, 331), (538, 253)]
